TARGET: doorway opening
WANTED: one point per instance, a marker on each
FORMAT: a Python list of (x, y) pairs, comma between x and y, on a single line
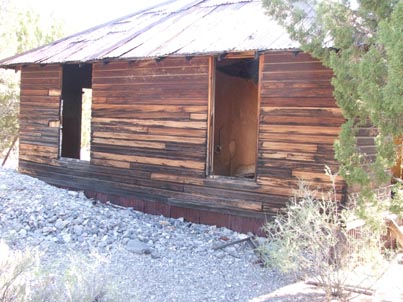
[(235, 118), (75, 111)]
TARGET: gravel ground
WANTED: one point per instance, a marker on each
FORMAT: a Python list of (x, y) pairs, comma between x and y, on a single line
[(151, 258)]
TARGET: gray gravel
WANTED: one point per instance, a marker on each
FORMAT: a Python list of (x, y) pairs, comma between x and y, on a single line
[(151, 258)]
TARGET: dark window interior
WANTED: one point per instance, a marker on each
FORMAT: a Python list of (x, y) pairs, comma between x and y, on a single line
[(235, 117), (75, 79)]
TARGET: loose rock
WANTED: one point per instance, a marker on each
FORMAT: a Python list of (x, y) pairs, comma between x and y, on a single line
[(182, 265), (137, 247)]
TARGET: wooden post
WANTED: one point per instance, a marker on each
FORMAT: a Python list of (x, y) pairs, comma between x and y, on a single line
[(9, 150)]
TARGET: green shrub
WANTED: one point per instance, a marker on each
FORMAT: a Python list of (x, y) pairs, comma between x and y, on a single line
[(311, 240)]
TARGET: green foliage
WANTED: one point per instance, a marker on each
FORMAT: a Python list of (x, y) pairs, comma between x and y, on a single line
[(20, 30), (9, 92), (363, 46), (30, 33), (396, 205), (311, 239), (350, 161)]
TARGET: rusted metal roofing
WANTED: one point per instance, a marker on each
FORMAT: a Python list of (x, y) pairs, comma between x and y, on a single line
[(173, 28)]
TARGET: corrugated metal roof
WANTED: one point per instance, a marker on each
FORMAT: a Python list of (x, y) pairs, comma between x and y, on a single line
[(174, 28)]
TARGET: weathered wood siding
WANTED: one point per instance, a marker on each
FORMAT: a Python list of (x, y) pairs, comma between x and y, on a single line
[(151, 116), (298, 125), (39, 104), (150, 119), (149, 136)]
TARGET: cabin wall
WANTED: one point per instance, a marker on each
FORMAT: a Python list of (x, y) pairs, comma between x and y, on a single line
[(148, 145), (39, 107), (299, 121), (151, 117), (149, 137)]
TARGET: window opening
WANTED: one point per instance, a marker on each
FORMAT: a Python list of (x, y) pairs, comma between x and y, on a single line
[(235, 117), (76, 111)]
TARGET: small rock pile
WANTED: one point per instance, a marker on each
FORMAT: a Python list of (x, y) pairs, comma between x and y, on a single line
[(170, 254), (36, 214)]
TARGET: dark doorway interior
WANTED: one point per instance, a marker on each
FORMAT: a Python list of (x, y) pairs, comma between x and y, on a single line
[(75, 79)]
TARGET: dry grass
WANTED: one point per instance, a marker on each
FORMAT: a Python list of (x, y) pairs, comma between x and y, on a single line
[(77, 278)]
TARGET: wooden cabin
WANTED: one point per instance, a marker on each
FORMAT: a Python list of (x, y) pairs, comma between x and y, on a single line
[(198, 109)]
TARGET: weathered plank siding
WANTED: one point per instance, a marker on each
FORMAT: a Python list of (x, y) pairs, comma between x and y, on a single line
[(39, 104), (149, 137), (149, 116), (298, 125), (150, 119)]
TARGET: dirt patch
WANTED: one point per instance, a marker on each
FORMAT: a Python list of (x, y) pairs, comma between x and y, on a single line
[(389, 288), (294, 292)]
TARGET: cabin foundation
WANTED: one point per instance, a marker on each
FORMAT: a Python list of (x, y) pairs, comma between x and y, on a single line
[(235, 222)]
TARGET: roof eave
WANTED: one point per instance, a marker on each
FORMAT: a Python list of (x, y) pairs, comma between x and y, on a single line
[(245, 53)]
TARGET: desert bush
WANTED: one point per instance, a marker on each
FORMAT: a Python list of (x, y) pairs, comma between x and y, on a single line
[(15, 268), (311, 240), (75, 278)]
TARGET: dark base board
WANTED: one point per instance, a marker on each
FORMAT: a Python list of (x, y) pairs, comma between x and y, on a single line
[(237, 223)]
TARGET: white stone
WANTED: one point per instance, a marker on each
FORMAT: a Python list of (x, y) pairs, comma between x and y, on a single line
[(60, 224), (137, 247), (78, 230), (22, 232)]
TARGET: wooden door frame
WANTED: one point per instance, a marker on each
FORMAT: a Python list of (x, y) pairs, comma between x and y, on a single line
[(210, 116), (211, 113)]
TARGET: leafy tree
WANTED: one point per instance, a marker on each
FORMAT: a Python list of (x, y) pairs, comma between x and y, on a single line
[(362, 42), (8, 81), (20, 29), (8, 107)]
